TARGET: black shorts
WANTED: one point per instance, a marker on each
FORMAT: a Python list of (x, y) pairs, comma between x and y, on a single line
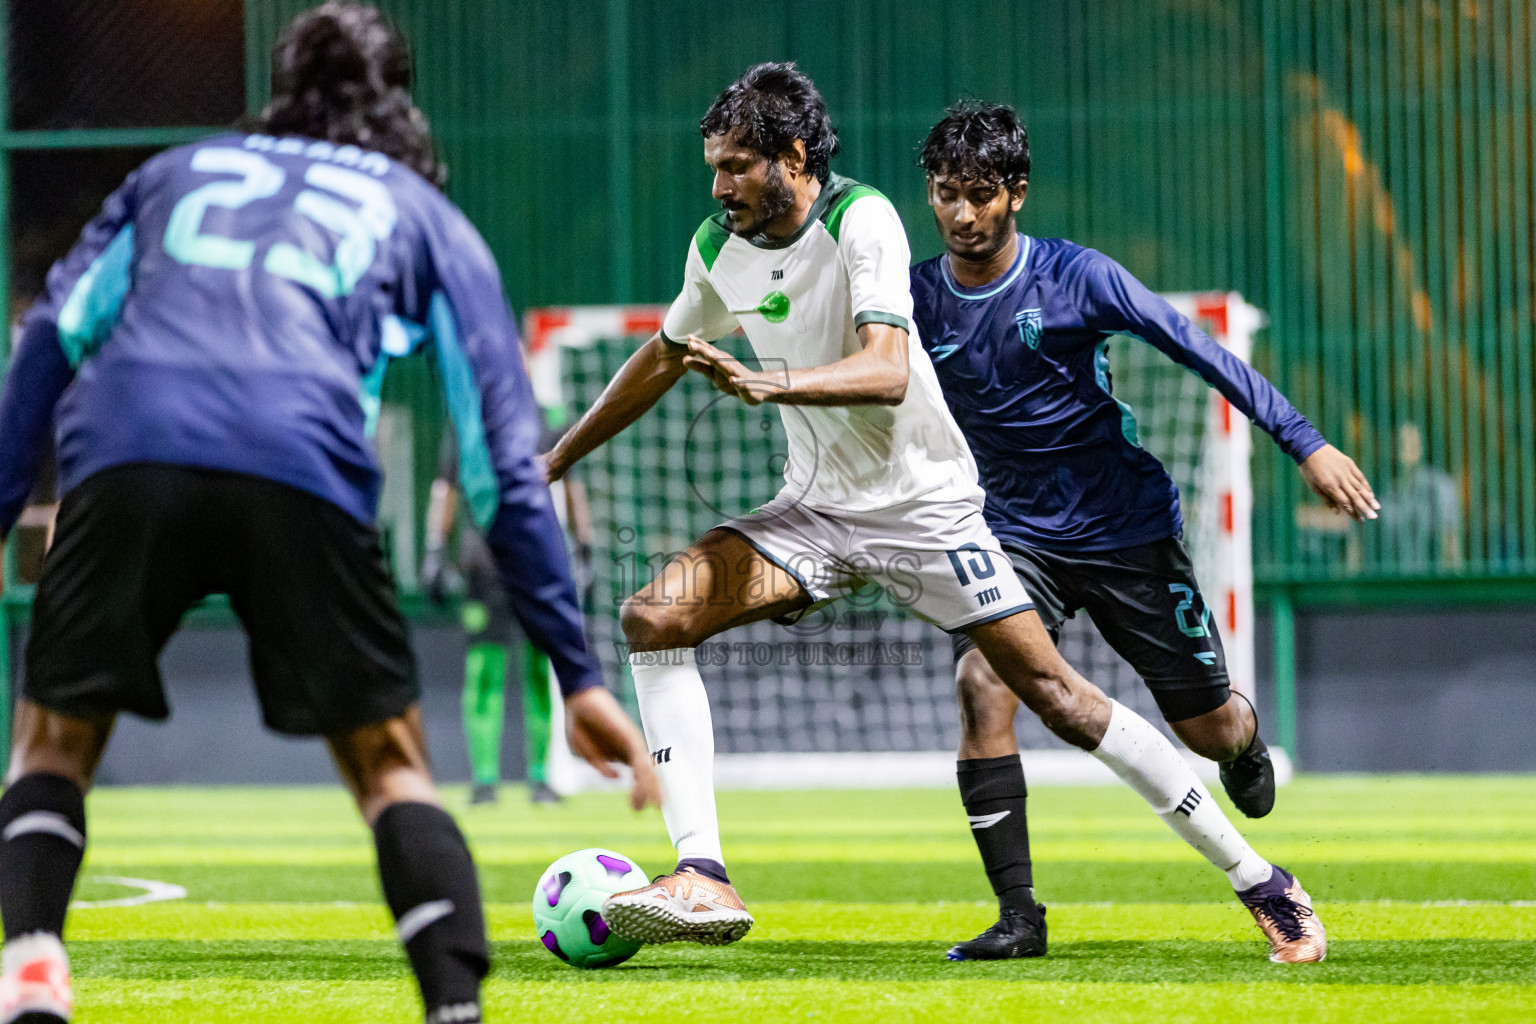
[(139, 545), (1147, 606)]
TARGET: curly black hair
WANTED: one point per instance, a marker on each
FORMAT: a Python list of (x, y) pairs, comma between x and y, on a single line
[(340, 72), (979, 140), (770, 107)]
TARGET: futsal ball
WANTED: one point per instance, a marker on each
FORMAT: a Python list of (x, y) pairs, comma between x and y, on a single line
[(568, 903)]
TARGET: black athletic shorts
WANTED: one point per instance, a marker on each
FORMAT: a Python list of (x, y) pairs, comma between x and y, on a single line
[(139, 545), (1146, 604)]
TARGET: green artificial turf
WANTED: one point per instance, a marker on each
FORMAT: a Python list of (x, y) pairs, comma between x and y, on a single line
[(1427, 886)]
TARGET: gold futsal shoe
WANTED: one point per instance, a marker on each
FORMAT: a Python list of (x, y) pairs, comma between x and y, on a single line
[(1284, 913), (684, 906)]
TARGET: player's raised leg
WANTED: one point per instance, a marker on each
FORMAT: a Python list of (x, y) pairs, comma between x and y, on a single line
[(720, 582), (1229, 735), (1020, 651), (1147, 603), (425, 867), (42, 842)]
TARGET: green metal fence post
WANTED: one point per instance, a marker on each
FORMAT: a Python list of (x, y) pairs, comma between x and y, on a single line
[(1285, 672), (621, 155)]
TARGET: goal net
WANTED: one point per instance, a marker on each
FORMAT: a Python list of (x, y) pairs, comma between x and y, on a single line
[(863, 692)]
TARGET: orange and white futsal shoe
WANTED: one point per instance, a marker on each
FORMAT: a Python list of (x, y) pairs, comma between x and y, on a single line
[(1284, 913), (684, 906), (34, 981)]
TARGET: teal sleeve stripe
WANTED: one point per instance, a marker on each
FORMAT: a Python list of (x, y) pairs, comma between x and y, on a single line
[(91, 309), (477, 476), (1101, 377), (397, 337), (872, 316), (672, 341), (370, 394)]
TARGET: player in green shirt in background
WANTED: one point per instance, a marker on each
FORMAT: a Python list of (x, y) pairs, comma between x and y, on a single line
[(491, 631)]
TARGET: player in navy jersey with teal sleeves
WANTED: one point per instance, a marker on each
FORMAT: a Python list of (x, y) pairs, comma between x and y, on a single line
[(1017, 329), (210, 353)]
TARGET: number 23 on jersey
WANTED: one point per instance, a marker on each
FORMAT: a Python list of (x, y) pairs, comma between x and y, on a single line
[(361, 228)]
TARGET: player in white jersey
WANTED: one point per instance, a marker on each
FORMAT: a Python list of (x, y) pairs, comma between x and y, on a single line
[(879, 486)]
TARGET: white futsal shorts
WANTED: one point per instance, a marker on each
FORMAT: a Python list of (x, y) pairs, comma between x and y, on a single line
[(937, 558)]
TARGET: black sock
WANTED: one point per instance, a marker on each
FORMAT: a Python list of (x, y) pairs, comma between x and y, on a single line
[(992, 789), (42, 841), (430, 886), (706, 867)]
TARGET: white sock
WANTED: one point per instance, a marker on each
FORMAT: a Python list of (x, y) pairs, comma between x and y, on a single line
[(1144, 759), (674, 711)]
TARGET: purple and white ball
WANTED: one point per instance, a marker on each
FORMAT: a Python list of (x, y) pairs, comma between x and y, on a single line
[(568, 903)]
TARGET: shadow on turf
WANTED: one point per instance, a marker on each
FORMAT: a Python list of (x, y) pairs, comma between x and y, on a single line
[(1438, 961)]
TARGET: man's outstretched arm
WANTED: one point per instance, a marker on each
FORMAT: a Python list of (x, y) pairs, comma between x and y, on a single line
[(1125, 305), (639, 384)]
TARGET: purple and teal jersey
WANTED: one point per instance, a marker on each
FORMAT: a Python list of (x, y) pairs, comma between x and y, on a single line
[(1024, 365), (234, 307)]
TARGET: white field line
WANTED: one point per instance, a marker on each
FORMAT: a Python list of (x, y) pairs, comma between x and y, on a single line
[(154, 892)]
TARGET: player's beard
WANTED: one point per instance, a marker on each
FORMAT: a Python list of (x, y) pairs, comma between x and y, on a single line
[(776, 199)]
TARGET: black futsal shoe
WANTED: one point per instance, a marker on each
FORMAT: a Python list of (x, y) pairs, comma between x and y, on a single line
[(1017, 935)]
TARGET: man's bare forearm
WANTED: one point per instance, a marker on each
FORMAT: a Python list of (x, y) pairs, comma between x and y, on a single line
[(875, 375), (639, 384), (860, 379)]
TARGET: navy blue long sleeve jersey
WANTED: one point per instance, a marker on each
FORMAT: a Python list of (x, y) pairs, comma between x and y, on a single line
[(234, 307), (1024, 366)]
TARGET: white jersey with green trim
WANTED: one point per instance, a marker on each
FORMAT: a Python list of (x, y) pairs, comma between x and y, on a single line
[(800, 301)]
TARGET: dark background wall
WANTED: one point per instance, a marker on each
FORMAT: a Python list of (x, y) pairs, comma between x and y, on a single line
[(215, 733), (1442, 689)]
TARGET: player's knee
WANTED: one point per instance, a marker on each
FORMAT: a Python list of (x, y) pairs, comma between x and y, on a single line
[(650, 625)]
